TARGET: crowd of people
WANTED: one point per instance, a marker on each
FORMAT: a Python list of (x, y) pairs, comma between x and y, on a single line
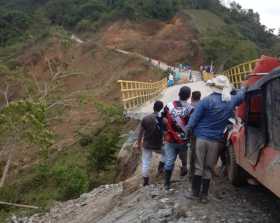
[(196, 124)]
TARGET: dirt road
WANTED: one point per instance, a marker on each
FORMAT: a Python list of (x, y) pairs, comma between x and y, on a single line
[(123, 204)]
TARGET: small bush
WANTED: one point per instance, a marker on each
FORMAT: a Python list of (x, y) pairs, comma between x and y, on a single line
[(8, 194), (4, 69), (72, 181), (103, 150), (110, 113), (42, 172), (85, 139)]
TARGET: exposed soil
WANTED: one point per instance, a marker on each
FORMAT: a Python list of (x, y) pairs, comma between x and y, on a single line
[(172, 42), (74, 77)]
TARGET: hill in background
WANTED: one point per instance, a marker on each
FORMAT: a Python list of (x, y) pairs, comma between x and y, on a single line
[(208, 28)]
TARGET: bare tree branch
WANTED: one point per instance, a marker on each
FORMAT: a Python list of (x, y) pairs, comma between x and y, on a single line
[(7, 167), (18, 205), (50, 68), (6, 94)]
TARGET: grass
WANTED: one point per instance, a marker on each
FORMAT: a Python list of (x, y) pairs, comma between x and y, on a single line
[(205, 21)]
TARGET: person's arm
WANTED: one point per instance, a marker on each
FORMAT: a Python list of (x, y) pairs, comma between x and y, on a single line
[(239, 97), (197, 114), (140, 137)]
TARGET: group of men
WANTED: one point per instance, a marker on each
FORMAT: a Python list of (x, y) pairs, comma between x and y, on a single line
[(179, 125)]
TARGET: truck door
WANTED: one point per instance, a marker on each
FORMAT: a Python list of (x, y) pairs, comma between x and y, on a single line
[(255, 126), (273, 113)]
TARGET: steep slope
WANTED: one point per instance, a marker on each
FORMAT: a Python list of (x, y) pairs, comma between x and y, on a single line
[(81, 72), (173, 41), (79, 83), (129, 202)]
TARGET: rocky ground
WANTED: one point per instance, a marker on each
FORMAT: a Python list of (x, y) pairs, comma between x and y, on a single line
[(124, 203)]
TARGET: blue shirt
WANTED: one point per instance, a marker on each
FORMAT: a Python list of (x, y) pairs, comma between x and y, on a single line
[(211, 115)]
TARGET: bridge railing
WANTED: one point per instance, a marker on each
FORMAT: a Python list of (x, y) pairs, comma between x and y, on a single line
[(135, 93), (238, 73)]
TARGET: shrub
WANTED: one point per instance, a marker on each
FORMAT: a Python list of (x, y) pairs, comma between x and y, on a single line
[(110, 113), (4, 69), (71, 180), (102, 151), (85, 139), (9, 194), (42, 172)]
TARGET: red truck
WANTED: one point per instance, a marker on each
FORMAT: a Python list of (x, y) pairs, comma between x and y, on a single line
[(254, 138)]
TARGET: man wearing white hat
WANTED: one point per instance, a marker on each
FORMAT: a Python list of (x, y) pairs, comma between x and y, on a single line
[(208, 123)]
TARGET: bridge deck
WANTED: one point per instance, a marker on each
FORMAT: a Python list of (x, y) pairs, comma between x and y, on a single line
[(167, 96)]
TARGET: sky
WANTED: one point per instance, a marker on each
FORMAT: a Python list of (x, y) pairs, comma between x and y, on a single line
[(269, 11)]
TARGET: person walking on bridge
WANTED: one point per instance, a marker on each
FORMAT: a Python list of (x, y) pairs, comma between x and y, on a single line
[(208, 122), (176, 116), (151, 132)]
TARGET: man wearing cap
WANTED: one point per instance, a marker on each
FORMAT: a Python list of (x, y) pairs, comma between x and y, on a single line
[(176, 116), (207, 123)]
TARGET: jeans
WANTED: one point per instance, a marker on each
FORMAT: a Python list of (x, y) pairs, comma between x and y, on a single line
[(147, 156), (171, 151)]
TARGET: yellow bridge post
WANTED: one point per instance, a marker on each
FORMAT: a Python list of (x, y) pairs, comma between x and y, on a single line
[(135, 93)]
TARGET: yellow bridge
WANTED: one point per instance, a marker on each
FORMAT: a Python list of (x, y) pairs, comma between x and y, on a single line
[(239, 73), (135, 93)]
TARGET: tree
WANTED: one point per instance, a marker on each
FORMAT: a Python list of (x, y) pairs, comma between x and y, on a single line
[(13, 25), (23, 122)]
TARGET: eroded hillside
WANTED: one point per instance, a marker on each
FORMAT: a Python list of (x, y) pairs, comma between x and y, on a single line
[(78, 81), (174, 41)]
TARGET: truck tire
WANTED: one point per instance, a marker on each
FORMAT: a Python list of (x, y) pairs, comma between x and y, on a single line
[(236, 175)]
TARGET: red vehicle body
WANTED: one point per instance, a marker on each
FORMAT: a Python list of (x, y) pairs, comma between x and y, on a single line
[(254, 140)]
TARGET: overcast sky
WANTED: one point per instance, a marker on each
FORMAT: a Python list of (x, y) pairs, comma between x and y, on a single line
[(269, 11)]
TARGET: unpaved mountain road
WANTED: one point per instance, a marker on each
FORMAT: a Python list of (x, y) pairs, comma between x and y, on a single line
[(125, 204)]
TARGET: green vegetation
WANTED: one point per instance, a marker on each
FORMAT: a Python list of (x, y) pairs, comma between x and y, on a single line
[(23, 122), (232, 36), (102, 152), (228, 36), (67, 174), (23, 20), (227, 48)]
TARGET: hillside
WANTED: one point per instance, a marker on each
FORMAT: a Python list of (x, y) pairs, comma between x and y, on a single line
[(76, 81), (182, 28), (79, 84), (173, 41)]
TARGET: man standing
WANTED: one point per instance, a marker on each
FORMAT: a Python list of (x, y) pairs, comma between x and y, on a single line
[(151, 131), (208, 122), (195, 99), (176, 116)]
